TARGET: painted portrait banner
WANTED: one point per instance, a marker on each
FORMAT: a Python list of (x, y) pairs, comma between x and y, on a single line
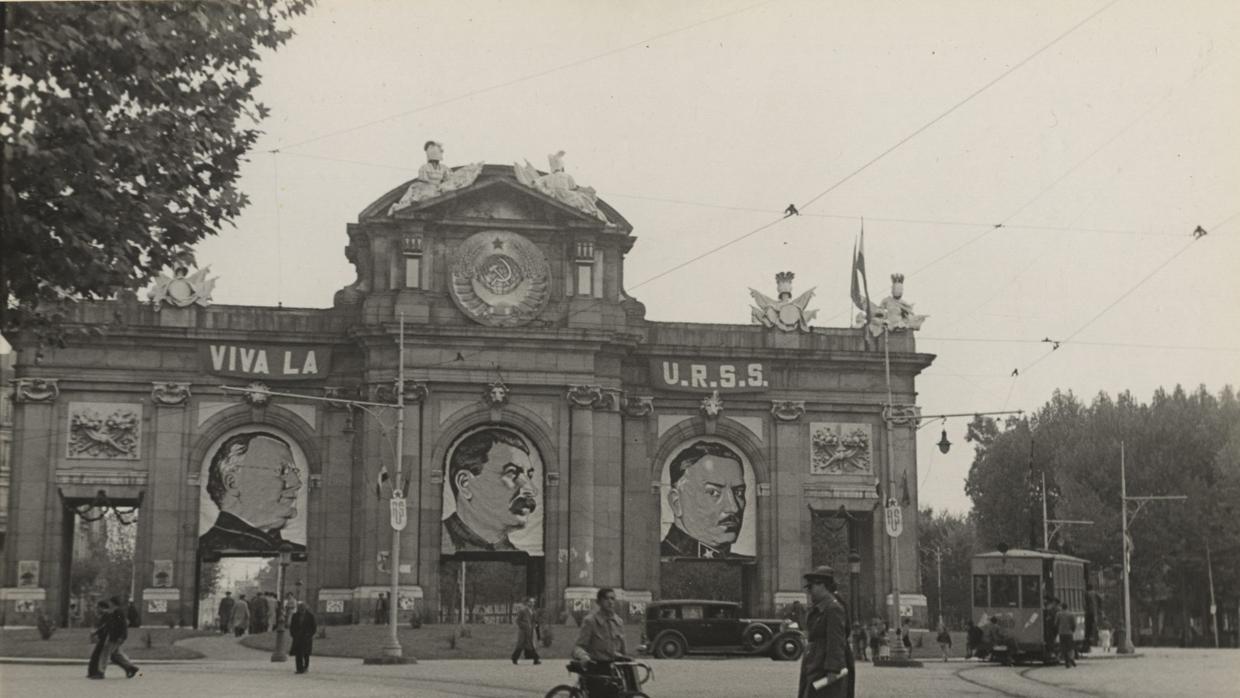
[(253, 494), (492, 494), (708, 502), (841, 449)]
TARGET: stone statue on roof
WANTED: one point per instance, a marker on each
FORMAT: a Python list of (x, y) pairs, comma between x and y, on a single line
[(560, 185), (784, 313), (435, 178), (182, 289), (894, 313)]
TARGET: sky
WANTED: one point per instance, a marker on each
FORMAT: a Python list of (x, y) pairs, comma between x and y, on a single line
[(1034, 169)]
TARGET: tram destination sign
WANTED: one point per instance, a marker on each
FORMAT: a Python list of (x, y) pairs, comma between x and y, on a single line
[(697, 376), (270, 361)]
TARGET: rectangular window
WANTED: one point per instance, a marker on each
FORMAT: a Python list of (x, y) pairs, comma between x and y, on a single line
[(981, 591), (1030, 593), (1003, 590), (413, 271), (691, 612), (585, 279)]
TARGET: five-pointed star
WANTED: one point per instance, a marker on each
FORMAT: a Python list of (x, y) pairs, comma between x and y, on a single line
[(498, 244)]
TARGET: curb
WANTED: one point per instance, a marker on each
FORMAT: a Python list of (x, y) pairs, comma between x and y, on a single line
[(52, 661)]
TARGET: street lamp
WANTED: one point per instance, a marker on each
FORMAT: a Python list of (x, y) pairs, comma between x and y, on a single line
[(286, 554), (854, 574)]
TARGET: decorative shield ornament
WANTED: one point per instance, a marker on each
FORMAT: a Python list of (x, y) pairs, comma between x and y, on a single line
[(500, 279)]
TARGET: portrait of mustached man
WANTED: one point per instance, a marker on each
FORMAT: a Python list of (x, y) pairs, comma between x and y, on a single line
[(492, 476), (707, 499)]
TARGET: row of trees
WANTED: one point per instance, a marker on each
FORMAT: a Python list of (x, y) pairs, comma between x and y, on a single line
[(1179, 442)]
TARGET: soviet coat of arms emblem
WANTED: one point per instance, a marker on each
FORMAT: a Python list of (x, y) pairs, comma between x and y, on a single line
[(500, 279)]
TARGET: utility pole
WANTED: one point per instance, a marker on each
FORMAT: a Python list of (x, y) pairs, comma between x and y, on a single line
[(1126, 645), (1047, 531), (393, 648), (938, 554), (1213, 604)]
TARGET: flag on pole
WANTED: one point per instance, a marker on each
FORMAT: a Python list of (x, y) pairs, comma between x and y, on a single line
[(860, 286), (382, 483)]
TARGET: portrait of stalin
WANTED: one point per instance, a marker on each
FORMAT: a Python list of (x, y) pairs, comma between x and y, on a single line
[(491, 473)]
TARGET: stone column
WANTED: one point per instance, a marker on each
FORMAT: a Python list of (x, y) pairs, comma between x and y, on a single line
[(608, 492), (792, 551), (581, 490), (161, 513), (640, 510), (35, 512)]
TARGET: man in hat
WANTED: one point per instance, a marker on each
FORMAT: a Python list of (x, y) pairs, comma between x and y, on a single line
[(826, 628)]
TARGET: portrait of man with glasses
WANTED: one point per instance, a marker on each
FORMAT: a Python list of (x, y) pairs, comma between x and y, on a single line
[(256, 484)]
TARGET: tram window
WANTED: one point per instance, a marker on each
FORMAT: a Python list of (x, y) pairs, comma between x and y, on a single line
[(1029, 596), (981, 591), (1003, 590)]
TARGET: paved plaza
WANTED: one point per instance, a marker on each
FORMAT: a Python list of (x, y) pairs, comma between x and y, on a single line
[(236, 671)]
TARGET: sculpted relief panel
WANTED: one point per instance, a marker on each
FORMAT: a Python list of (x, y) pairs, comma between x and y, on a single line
[(106, 430), (500, 279), (841, 448)]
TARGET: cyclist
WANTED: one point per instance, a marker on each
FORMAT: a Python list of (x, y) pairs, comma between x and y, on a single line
[(601, 643)]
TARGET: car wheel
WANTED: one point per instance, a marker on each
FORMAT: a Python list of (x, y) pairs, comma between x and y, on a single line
[(756, 637), (563, 691), (669, 647), (788, 649)]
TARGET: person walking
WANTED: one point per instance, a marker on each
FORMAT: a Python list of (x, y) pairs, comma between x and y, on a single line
[(382, 609), (240, 616), (826, 657), (875, 640), (1065, 624), (944, 639), (973, 641), (258, 613), (525, 633), (225, 611), (118, 632), (273, 609), (302, 628), (94, 670), (1104, 635)]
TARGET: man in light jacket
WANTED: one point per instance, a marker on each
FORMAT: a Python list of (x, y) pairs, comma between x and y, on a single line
[(241, 616)]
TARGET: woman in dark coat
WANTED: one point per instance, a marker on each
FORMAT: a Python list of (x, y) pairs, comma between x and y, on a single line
[(302, 628)]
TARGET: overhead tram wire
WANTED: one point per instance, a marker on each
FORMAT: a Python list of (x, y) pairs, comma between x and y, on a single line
[(1067, 173), (959, 104), (888, 150), (813, 199), (1140, 282), (523, 78), (771, 211)]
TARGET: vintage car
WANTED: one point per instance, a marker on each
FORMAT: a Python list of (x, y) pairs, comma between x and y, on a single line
[(675, 628)]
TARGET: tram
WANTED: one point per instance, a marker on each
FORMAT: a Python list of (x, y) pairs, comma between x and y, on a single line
[(1010, 585)]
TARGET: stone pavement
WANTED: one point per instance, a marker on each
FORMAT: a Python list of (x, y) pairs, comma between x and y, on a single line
[(249, 673)]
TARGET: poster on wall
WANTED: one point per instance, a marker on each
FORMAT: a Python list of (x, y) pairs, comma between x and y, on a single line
[(492, 494), (707, 505), (253, 495), (27, 573)]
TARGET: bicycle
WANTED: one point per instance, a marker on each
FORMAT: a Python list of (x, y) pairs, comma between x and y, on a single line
[(619, 684)]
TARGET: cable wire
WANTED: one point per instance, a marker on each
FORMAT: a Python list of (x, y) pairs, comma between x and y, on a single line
[(959, 104), (523, 78)]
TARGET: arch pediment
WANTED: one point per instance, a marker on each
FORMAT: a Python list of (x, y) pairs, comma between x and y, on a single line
[(496, 195)]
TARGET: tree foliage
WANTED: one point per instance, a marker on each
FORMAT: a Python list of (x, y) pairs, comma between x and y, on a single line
[(124, 127), (954, 537), (1179, 443)]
